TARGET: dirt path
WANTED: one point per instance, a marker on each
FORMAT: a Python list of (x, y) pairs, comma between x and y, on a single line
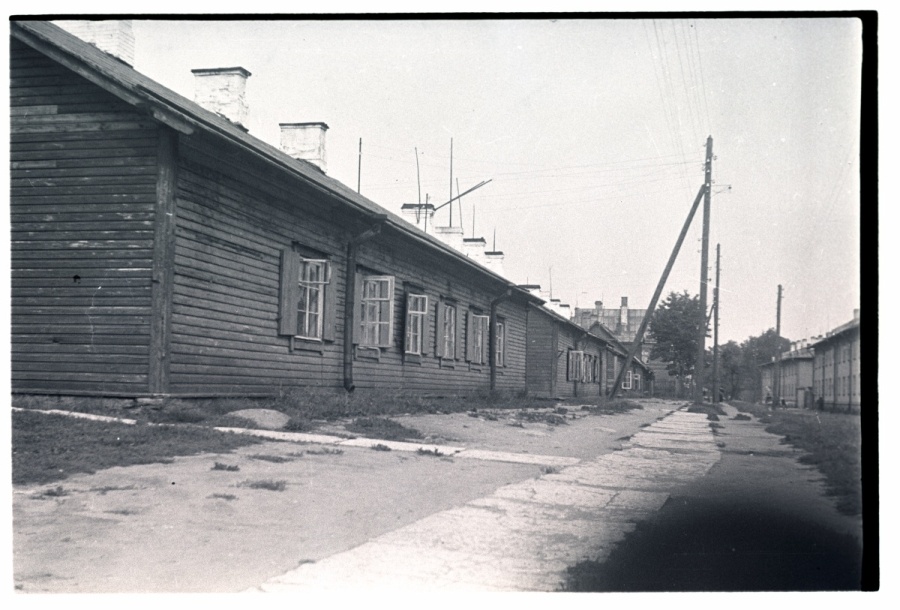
[(758, 521), (185, 526)]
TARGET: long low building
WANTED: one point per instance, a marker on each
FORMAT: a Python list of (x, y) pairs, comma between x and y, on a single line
[(158, 249)]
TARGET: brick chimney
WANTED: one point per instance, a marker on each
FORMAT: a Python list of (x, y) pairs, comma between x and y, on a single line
[(452, 236), (305, 141), (113, 36), (221, 90), (494, 261)]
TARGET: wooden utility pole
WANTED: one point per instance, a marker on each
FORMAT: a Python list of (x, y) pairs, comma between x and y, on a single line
[(716, 327), (451, 181), (704, 276), (635, 346), (776, 375)]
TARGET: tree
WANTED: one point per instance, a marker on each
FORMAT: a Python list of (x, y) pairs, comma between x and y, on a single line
[(732, 370), (674, 326), (756, 351)]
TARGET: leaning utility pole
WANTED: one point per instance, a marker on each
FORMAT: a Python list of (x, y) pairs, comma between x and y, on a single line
[(635, 346), (716, 328), (704, 277), (776, 375)]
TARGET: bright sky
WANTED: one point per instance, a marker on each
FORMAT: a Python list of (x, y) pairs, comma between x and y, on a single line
[(593, 134)]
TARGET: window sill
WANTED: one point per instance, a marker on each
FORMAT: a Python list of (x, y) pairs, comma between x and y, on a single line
[(412, 359), (364, 352), (475, 367), (302, 344), (448, 363)]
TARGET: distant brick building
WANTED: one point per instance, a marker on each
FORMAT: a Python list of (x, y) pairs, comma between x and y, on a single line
[(795, 377)]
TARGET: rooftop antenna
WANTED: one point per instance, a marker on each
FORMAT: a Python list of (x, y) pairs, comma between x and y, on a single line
[(551, 283), (459, 197), (451, 180), (418, 178), (359, 169), (494, 247), (426, 212)]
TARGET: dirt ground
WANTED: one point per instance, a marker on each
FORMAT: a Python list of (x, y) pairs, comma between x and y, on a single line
[(193, 526)]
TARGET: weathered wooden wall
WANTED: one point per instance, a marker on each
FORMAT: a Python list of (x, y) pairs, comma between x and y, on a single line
[(83, 191)]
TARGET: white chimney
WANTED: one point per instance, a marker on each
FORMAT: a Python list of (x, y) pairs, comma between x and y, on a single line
[(221, 90), (494, 261), (305, 141), (419, 214), (114, 36), (452, 236), (474, 248)]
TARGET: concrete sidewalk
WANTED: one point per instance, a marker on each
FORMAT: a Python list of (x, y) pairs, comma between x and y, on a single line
[(523, 536)]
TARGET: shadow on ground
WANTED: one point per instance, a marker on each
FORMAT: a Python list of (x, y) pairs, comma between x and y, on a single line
[(698, 544)]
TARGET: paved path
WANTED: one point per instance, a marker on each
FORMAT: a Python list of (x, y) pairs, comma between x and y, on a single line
[(524, 535)]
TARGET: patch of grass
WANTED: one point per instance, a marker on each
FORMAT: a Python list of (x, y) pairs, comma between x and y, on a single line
[(226, 467), (549, 469), (268, 484), (325, 451), (434, 452), (383, 428), (603, 406), (123, 511), (228, 497), (108, 488), (542, 416), (713, 411), (56, 492), (742, 417), (380, 447), (275, 459), (48, 448), (832, 442)]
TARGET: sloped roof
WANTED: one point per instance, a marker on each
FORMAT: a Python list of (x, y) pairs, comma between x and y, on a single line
[(188, 117)]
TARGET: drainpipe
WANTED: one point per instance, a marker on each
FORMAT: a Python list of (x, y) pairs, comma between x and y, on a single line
[(350, 295), (492, 336)]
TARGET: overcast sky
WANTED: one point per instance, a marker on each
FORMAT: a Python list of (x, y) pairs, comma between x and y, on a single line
[(593, 134)]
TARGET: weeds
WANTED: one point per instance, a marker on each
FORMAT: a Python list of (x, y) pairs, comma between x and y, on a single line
[(380, 447), (107, 488), (226, 467), (383, 428), (228, 497), (434, 452), (604, 406), (56, 492), (741, 417), (267, 484), (550, 469), (325, 451), (275, 459)]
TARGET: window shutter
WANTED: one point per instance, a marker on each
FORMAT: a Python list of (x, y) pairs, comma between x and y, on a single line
[(505, 346), (329, 314), (470, 336), (460, 343), (290, 292), (439, 329), (357, 306), (569, 365)]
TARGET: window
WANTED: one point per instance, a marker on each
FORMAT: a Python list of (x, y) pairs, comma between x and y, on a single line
[(446, 330), (588, 369), (416, 323), (477, 343), (500, 342), (637, 382), (312, 280), (575, 370), (376, 320), (626, 383), (307, 297)]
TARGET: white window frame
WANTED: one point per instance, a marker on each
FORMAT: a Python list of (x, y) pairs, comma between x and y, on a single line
[(376, 311), (637, 382), (416, 321), (448, 332), (480, 326), (576, 365), (311, 302), (626, 382)]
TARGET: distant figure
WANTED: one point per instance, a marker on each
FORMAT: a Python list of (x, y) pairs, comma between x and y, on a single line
[(820, 403), (783, 404)]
